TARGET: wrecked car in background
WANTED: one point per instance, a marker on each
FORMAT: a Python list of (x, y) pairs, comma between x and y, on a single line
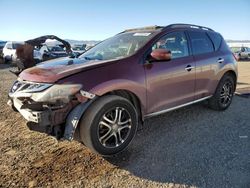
[(100, 97), (78, 49), (52, 52), (29, 53)]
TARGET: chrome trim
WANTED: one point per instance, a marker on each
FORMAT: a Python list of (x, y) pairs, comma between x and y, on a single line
[(176, 107), (189, 68), (27, 87), (220, 60)]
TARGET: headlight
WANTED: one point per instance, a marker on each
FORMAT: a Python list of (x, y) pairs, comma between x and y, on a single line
[(42, 92), (28, 87), (57, 92)]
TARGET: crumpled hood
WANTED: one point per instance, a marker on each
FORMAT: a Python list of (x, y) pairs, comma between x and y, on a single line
[(53, 70)]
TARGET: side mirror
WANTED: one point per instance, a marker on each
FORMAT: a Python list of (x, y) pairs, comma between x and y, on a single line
[(160, 55)]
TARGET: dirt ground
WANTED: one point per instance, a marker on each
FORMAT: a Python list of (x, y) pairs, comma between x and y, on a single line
[(190, 147)]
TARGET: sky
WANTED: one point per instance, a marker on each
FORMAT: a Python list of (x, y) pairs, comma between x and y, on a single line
[(100, 19)]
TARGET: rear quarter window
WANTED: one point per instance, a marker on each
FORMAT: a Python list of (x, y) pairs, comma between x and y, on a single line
[(216, 38), (201, 43)]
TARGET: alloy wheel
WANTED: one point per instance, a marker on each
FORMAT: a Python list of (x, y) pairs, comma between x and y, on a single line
[(226, 93), (114, 127)]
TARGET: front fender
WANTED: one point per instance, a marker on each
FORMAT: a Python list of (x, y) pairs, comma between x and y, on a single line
[(122, 84)]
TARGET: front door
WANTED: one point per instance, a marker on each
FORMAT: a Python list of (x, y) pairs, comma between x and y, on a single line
[(170, 83)]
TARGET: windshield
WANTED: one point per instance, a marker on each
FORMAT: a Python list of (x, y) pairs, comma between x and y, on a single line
[(55, 48), (119, 46)]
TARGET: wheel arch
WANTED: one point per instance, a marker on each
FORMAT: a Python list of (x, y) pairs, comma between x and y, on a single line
[(135, 92), (132, 97), (234, 76)]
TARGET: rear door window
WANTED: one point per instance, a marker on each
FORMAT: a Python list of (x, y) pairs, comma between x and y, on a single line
[(216, 38), (200, 42)]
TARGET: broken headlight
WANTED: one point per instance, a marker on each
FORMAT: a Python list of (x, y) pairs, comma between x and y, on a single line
[(43, 92), (57, 92)]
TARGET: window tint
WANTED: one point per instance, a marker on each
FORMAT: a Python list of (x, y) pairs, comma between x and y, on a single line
[(216, 38), (201, 44), (175, 42)]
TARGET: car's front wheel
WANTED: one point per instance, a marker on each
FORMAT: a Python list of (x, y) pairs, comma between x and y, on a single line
[(223, 95), (109, 125)]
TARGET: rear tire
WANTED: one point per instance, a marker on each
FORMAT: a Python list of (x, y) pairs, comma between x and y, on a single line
[(109, 125), (223, 95)]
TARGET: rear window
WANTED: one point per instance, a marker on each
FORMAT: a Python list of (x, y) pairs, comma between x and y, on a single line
[(201, 44), (216, 38)]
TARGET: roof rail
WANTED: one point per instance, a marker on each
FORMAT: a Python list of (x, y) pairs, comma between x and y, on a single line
[(154, 27), (188, 26)]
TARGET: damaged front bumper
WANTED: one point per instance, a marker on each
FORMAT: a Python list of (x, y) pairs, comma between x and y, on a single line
[(48, 111), (40, 117)]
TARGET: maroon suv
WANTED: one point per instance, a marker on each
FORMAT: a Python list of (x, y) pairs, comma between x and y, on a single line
[(100, 97)]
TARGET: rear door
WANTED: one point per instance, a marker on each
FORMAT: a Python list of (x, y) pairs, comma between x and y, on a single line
[(208, 60), (170, 83)]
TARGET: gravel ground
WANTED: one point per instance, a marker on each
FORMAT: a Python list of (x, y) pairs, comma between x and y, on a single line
[(190, 147)]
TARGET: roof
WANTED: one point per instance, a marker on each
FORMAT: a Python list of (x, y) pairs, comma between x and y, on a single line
[(178, 25)]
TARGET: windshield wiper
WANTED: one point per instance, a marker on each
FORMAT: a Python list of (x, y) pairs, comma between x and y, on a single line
[(94, 58), (88, 58)]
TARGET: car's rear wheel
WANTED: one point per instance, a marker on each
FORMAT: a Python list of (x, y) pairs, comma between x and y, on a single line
[(109, 125), (223, 96)]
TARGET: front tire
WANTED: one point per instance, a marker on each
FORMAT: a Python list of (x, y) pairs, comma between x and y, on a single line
[(223, 96), (109, 125)]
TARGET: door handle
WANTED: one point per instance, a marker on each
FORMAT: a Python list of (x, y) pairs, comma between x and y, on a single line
[(189, 68), (220, 60)]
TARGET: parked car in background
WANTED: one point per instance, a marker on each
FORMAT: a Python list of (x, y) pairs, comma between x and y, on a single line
[(2, 44), (9, 51), (52, 52), (100, 97), (241, 52), (78, 49)]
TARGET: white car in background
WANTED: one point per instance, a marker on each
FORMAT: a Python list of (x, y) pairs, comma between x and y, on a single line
[(9, 51)]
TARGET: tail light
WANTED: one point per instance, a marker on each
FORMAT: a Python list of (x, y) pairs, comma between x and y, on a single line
[(235, 57)]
